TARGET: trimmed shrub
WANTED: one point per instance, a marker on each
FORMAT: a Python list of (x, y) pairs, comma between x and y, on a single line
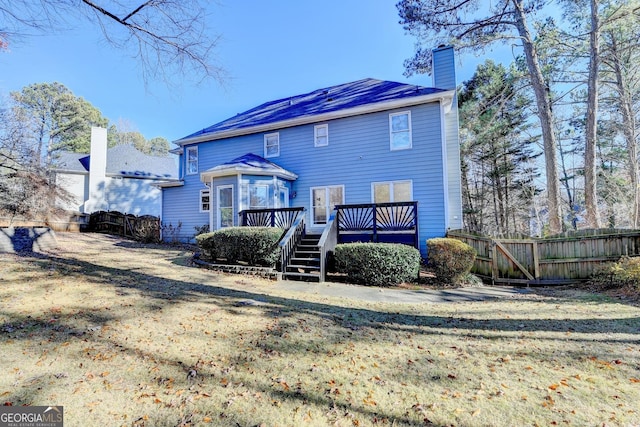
[(378, 264), (621, 274), (450, 259), (253, 245)]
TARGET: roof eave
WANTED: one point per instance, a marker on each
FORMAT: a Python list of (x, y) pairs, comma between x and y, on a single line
[(446, 97), (206, 176), (168, 184), (71, 171), (131, 176)]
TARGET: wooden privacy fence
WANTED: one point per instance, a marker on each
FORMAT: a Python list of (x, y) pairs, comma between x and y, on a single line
[(563, 259), (146, 227)]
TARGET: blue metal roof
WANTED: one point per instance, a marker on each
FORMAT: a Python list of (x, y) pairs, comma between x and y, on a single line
[(327, 100)]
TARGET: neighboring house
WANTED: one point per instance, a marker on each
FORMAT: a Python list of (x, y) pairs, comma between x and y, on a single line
[(115, 179), (368, 141)]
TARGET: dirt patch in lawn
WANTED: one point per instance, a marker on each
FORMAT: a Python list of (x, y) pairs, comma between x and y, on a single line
[(133, 335)]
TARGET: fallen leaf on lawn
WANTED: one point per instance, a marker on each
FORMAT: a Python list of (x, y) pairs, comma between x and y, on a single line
[(635, 380), (553, 386)]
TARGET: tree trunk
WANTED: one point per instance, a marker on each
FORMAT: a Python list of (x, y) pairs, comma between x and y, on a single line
[(592, 217), (628, 129), (546, 119)]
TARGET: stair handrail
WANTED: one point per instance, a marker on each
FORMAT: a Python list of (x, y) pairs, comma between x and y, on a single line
[(328, 242), (291, 239)]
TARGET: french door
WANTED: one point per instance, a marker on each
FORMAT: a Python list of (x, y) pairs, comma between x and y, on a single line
[(323, 201)]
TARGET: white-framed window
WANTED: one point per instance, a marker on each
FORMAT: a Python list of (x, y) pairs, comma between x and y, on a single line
[(272, 145), (321, 135), (225, 205), (323, 201), (392, 191), (192, 160), (205, 200), (258, 196), (400, 130)]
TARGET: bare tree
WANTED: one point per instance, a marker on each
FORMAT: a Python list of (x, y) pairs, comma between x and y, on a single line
[(168, 37), (472, 25)]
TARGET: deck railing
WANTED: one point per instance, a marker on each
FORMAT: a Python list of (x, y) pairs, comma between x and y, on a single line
[(291, 239), (327, 243), (378, 222), (281, 217)]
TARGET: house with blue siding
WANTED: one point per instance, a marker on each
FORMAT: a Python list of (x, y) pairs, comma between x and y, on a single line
[(366, 160)]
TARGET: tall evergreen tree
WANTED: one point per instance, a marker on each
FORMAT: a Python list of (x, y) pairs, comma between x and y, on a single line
[(54, 120), (474, 25), (497, 152)]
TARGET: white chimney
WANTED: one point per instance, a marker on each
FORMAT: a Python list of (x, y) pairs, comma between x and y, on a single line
[(97, 171)]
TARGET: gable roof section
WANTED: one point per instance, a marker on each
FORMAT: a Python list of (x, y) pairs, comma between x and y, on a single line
[(126, 160), (71, 162), (343, 100), (122, 160), (250, 164)]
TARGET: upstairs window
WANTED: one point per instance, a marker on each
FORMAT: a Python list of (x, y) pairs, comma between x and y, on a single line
[(192, 160), (205, 200), (400, 130), (271, 145), (321, 135)]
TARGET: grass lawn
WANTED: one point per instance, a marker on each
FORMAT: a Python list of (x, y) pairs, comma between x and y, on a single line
[(110, 330)]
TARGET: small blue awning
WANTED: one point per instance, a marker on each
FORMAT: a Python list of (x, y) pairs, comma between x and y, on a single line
[(249, 164)]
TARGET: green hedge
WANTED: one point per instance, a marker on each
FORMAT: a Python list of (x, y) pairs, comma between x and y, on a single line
[(450, 259), (378, 264), (254, 245)]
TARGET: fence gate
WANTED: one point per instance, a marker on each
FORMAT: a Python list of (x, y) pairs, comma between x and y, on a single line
[(570, 257), (514, 261)]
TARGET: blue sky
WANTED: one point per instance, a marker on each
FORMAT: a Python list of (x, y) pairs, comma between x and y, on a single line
[(270, 50)]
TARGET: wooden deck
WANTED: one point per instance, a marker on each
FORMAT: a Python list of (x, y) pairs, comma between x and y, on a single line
[(369, 222)]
